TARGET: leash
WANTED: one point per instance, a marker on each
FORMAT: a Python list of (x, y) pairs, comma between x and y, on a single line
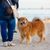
[(9, 2)]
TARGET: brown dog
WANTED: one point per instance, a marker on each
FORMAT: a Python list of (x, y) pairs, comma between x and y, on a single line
[(28, 29)]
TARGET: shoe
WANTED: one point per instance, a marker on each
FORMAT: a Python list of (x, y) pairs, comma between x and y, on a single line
[(10, 43), (5, 44)]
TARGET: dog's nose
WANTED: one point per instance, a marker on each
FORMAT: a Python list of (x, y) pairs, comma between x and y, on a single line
[(23, 22)]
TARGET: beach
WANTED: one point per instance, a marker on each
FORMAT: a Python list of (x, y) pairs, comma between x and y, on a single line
[(45, 45)]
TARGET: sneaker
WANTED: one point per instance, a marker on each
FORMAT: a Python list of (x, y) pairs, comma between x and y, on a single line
[(5, 44), (10, 43)]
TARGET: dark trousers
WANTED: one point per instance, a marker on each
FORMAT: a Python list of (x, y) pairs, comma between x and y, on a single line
[(7, 25)]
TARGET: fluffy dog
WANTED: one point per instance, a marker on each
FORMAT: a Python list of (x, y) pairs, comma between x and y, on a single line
[(28, 29)]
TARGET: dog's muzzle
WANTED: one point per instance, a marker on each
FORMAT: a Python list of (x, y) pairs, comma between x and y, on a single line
[(23, 23)]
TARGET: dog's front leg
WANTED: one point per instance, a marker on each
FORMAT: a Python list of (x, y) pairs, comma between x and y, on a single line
[(22, 38), (28, 39)]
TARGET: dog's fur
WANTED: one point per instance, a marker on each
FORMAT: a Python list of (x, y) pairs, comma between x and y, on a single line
[(28, 29)]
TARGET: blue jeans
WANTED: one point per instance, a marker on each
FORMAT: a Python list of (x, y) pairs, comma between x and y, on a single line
[(10, 25)]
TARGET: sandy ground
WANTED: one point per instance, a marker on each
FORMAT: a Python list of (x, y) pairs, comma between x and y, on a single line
[(45, 45)]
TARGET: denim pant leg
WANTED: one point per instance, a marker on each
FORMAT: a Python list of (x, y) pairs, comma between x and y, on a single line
[(11, 28), (3, 30)]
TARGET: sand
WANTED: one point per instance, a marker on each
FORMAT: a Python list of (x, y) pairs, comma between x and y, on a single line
[(45, 45)]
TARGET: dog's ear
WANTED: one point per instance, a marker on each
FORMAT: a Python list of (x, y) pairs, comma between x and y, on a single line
[(26, 19)]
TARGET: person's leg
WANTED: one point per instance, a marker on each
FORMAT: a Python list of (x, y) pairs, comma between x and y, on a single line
[(11, 28), (3, 31)]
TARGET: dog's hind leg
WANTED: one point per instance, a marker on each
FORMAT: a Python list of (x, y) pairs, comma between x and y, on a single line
[(42, 36)]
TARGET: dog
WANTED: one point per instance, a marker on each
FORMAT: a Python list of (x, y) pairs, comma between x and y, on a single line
[(28, 29)]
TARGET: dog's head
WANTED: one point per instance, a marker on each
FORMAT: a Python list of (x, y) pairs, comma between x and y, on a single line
[(22, 21)]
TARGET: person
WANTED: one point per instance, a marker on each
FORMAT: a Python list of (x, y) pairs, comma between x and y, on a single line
[(16, 2), (7, 22)]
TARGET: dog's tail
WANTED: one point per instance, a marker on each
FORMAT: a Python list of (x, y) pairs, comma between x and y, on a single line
[(36, 19)]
